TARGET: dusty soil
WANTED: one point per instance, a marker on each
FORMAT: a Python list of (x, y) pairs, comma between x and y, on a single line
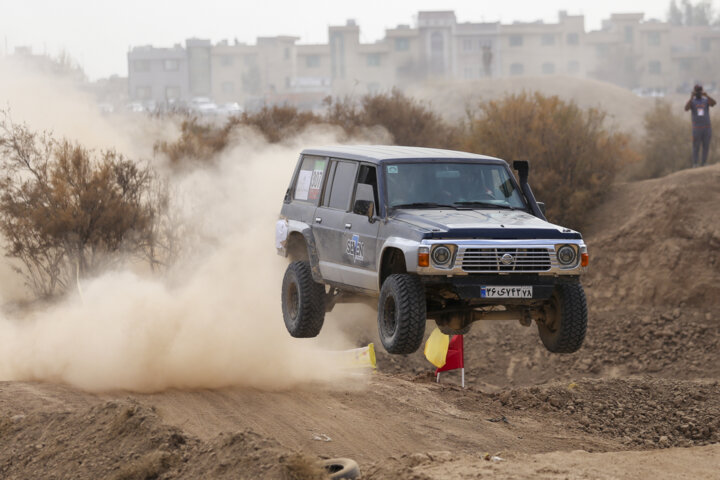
[(641, 399)]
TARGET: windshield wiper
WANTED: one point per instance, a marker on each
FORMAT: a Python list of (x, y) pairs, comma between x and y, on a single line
[(484, 204), (425, 205)]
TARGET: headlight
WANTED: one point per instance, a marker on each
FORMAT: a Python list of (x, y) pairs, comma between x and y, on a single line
[(441, 255), (566, 255)]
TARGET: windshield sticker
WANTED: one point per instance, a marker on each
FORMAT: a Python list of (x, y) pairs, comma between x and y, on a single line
[(392, 169), (354, 247), (303, 184)]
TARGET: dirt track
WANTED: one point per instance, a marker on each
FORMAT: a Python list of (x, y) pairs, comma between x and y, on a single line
[(641, 399)]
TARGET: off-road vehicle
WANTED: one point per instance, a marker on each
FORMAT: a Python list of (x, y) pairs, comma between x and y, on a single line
[(426, 234)]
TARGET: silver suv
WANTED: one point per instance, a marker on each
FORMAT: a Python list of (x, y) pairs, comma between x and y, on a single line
[(426, 234)]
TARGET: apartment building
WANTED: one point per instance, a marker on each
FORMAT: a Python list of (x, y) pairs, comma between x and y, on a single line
[(628, 50)]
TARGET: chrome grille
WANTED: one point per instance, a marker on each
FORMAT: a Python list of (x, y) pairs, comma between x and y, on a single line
[(479, 260)]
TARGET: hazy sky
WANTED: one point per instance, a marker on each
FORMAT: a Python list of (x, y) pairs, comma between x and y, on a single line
[(98, 33)]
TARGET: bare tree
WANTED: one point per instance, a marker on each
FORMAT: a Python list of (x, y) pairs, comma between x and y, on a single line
[(66, 211)]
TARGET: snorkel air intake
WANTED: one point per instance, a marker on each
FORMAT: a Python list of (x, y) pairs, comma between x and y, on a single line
[(523, 169)]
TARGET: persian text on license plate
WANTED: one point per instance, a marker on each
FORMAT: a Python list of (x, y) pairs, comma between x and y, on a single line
[(506, 292)]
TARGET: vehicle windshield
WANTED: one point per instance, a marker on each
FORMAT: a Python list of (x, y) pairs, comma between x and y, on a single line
[(455, 185)]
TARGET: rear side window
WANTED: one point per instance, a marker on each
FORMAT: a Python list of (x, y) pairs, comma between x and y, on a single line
[(309, 182), (342, 185)]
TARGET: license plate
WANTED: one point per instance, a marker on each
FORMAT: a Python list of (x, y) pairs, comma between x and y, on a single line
[(506, 292)]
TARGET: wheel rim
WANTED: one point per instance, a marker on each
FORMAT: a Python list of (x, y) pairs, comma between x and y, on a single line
[(552, 314), (292, 300), (389, 316)]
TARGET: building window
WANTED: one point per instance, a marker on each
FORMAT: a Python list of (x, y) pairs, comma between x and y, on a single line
[(517, 69), (573, 39), (226, 60), (141, 65), (573, 66), (516, 40), (705, 44), (654, 67), (227, 87), (548, 68), (602, 50), (171, 65), (653, 38), (402, 44), (547, 39), (143, 92), (172, 93), (629, 34), (373, 60), (629, 64), (312, 61), (467, 45)]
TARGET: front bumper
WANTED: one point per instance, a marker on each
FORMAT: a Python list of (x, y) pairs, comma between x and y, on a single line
[(470, 287)]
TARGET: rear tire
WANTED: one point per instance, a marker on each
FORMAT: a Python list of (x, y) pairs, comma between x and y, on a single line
[(402, 313), (565, 319), (303, 301)]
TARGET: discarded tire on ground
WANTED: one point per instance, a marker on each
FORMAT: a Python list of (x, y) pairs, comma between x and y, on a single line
[(342, 468)]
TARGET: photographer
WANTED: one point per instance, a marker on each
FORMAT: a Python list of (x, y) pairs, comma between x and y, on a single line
[(700, 103)]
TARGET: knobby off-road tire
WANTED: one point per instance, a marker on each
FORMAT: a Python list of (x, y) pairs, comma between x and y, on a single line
[(303, 301), (402, 313), (566, 319)]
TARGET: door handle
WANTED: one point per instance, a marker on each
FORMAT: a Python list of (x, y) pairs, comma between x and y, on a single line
[(318, 220), (348, 225)]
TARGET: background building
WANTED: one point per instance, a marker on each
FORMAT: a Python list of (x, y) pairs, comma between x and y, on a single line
[(648, 56)]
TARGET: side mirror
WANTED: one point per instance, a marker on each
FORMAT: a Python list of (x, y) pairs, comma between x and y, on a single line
[(364, 201), (541, 206)]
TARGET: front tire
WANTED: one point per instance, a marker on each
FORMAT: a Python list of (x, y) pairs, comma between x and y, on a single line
[(402, 313), (565, 325), (303, 301)]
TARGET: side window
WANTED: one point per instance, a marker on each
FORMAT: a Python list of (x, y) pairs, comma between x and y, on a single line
[(342, 185), (309, 182), (368, 175)]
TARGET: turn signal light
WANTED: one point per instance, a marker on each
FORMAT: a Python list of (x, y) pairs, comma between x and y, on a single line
[(423, 257), (584, 259)]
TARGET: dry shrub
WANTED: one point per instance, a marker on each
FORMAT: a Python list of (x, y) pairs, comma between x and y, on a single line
[(277, 122), (66, 211), (409, 121), (668, 142), (574, 157), (198, 140)]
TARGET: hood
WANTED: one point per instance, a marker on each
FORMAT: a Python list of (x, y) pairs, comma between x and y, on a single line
[(482, 224)]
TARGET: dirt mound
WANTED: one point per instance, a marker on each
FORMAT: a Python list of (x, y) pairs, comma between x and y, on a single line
[(657, 243), (124, 440), (644, 413), (667, 343), (670, 464)]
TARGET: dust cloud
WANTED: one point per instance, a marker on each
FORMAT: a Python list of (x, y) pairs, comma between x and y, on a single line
[(213, 320)]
